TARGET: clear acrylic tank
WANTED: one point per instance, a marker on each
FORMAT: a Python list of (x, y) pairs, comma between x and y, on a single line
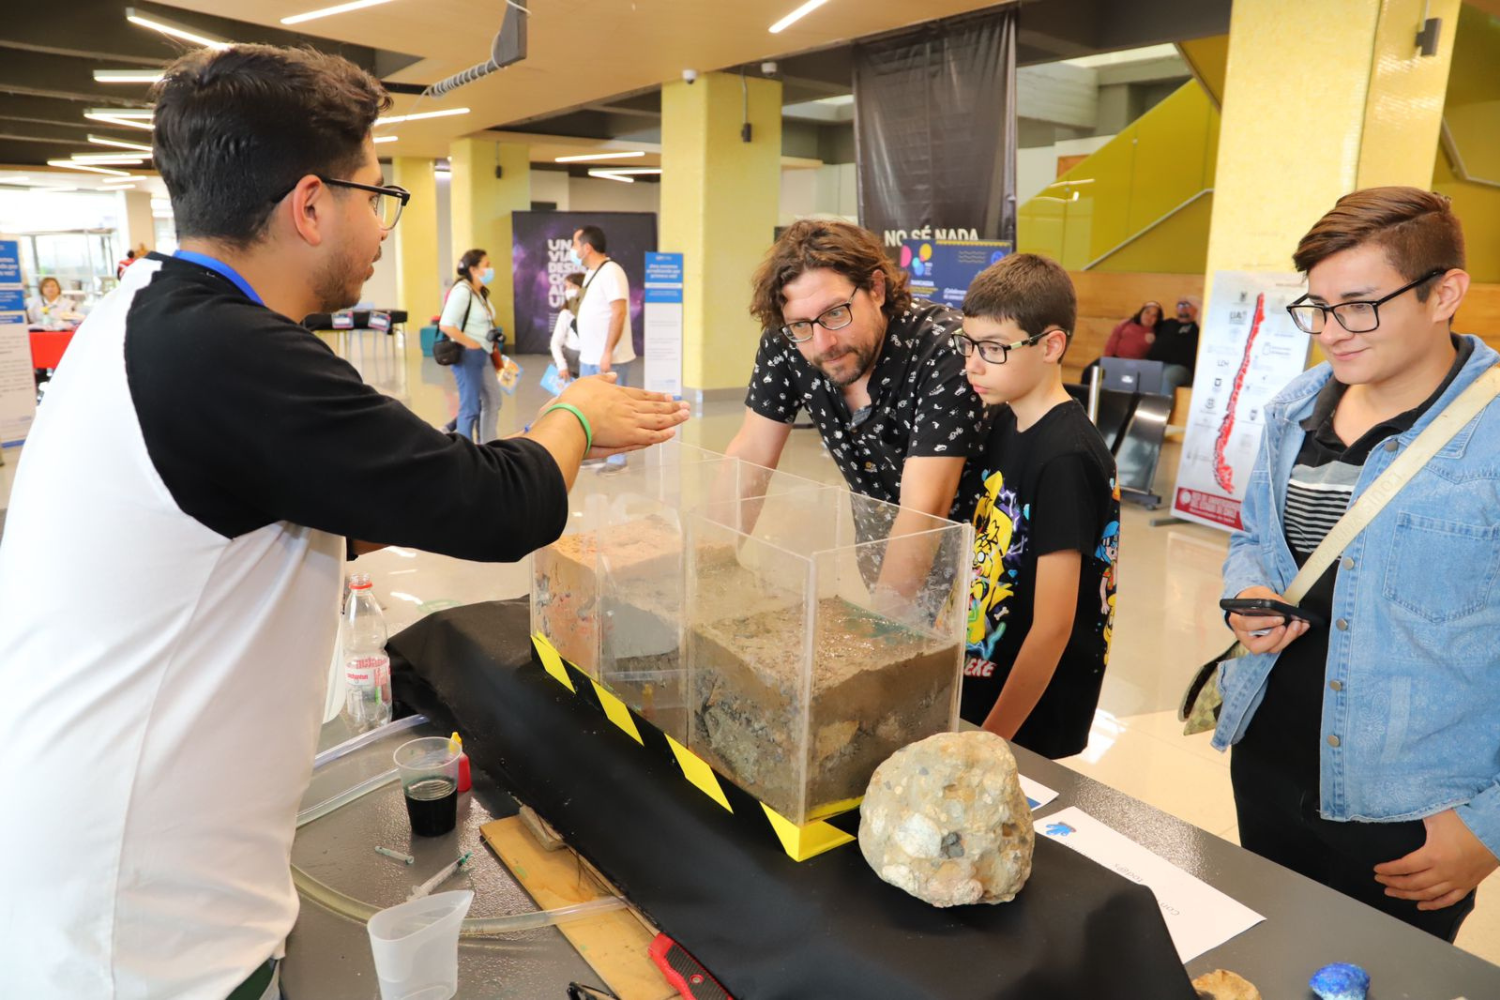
[(609, 594), (633, 512), (823, 632), (768, 622)]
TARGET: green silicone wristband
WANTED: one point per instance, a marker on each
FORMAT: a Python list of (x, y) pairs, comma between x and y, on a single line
[(588, 432)]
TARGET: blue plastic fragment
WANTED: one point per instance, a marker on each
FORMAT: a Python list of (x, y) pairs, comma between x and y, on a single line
[(1340, 981)]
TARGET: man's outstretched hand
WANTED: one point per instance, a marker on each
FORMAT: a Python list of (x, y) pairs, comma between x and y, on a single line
[(623, 419)]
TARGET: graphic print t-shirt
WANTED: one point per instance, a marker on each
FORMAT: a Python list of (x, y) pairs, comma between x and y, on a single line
[(1050, 488)]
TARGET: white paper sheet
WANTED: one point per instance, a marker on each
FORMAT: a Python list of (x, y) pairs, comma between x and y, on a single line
[(1199, 917), (1037, 794)]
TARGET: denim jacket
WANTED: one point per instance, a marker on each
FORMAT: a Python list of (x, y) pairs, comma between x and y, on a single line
[(1411, 707)]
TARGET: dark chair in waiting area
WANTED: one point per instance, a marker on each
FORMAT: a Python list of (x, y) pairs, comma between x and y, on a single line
[(1133, 424)]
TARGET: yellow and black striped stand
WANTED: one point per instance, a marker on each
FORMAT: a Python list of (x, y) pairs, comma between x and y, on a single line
[(799, 842)]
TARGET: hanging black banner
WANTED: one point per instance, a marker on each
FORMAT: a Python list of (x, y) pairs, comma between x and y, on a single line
[(935, 130)]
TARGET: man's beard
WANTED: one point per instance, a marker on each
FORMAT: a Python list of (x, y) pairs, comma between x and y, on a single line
[(863, 357), (340, 284)]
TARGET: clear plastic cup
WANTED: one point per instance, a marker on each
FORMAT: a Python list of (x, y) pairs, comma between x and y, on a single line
[(429, 782), (416, 946)]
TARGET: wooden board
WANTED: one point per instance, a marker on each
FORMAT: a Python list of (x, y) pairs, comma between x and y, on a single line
[(613, 944)]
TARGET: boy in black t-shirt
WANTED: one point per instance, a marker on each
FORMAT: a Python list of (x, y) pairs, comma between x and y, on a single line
[(1047, 528)]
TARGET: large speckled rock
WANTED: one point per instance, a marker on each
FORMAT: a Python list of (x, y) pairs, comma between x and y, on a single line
[(945, 819)]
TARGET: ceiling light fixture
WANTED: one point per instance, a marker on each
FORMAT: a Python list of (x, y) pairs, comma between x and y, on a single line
[(174, 30), (386, 138), (426, 114), (630, 171), (109, 159), (611, 176), (121, 187), (342, 8), (104, 140), (597, 156), (128, 75), (118, 180), (796, 15), (125, 118), (70, 165)]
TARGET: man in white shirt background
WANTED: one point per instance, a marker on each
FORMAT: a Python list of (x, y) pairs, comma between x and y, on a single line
[(603, 311)]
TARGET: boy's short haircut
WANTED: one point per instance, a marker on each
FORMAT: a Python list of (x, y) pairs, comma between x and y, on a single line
[(1032, 290), (1417, 230)]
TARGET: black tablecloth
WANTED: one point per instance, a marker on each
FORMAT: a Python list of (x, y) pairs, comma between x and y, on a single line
[(769, 927)]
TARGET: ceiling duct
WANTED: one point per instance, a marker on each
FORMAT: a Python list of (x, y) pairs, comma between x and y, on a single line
[(508, 47)]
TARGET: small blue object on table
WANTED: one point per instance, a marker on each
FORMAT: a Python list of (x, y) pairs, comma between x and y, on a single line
[(1340, 981)]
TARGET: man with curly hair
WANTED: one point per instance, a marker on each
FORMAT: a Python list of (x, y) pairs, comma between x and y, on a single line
[(874, 368)]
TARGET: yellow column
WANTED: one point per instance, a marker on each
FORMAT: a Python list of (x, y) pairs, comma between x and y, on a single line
[(419, 287), (720, 201), (140, 226), (1320, 99), (490, 181)]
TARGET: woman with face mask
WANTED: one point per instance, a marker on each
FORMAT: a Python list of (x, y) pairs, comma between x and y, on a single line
[(565, 332), (468, 318)]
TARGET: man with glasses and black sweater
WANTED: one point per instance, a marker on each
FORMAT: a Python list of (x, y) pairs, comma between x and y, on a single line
[(170, 570)]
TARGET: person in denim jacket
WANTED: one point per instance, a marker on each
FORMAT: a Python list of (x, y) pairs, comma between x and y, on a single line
[(1367, 751)]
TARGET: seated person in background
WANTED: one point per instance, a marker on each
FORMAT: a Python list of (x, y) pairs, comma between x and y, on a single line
[(1131, 339), (48, 309), (564, 346), (1176, 344), (1134, 336), (1047, 528)]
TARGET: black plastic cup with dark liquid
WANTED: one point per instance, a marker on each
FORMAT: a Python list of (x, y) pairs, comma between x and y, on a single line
[(429, 783)]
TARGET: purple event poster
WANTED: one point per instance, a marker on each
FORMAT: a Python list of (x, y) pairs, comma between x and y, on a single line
[(539, 256)]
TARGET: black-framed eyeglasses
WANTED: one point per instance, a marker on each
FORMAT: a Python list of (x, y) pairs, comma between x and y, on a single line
[(833, 318), (1355, 317), (991, 352), (386, 201)]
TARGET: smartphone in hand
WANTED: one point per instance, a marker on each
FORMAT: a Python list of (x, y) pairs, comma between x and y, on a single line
[(1262, 607)]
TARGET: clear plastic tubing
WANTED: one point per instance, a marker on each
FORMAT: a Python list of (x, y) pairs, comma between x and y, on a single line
[(345, 797), (355, 909), (365, 739)]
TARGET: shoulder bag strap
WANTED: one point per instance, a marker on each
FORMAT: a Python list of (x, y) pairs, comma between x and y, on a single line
[(463, 327), (1454, 417), (583, 293)]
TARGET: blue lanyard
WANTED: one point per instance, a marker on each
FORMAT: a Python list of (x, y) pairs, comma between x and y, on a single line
[(203, 260)]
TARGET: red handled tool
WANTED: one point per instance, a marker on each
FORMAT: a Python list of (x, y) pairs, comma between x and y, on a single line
[(684, 972)]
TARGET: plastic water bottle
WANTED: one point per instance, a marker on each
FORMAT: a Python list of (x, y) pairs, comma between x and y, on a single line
[(367, 668)]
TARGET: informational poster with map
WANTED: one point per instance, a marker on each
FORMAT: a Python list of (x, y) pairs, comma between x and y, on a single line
[(1248, 351)]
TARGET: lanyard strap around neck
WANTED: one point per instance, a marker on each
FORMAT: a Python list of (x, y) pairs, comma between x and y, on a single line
[(222, 269)]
